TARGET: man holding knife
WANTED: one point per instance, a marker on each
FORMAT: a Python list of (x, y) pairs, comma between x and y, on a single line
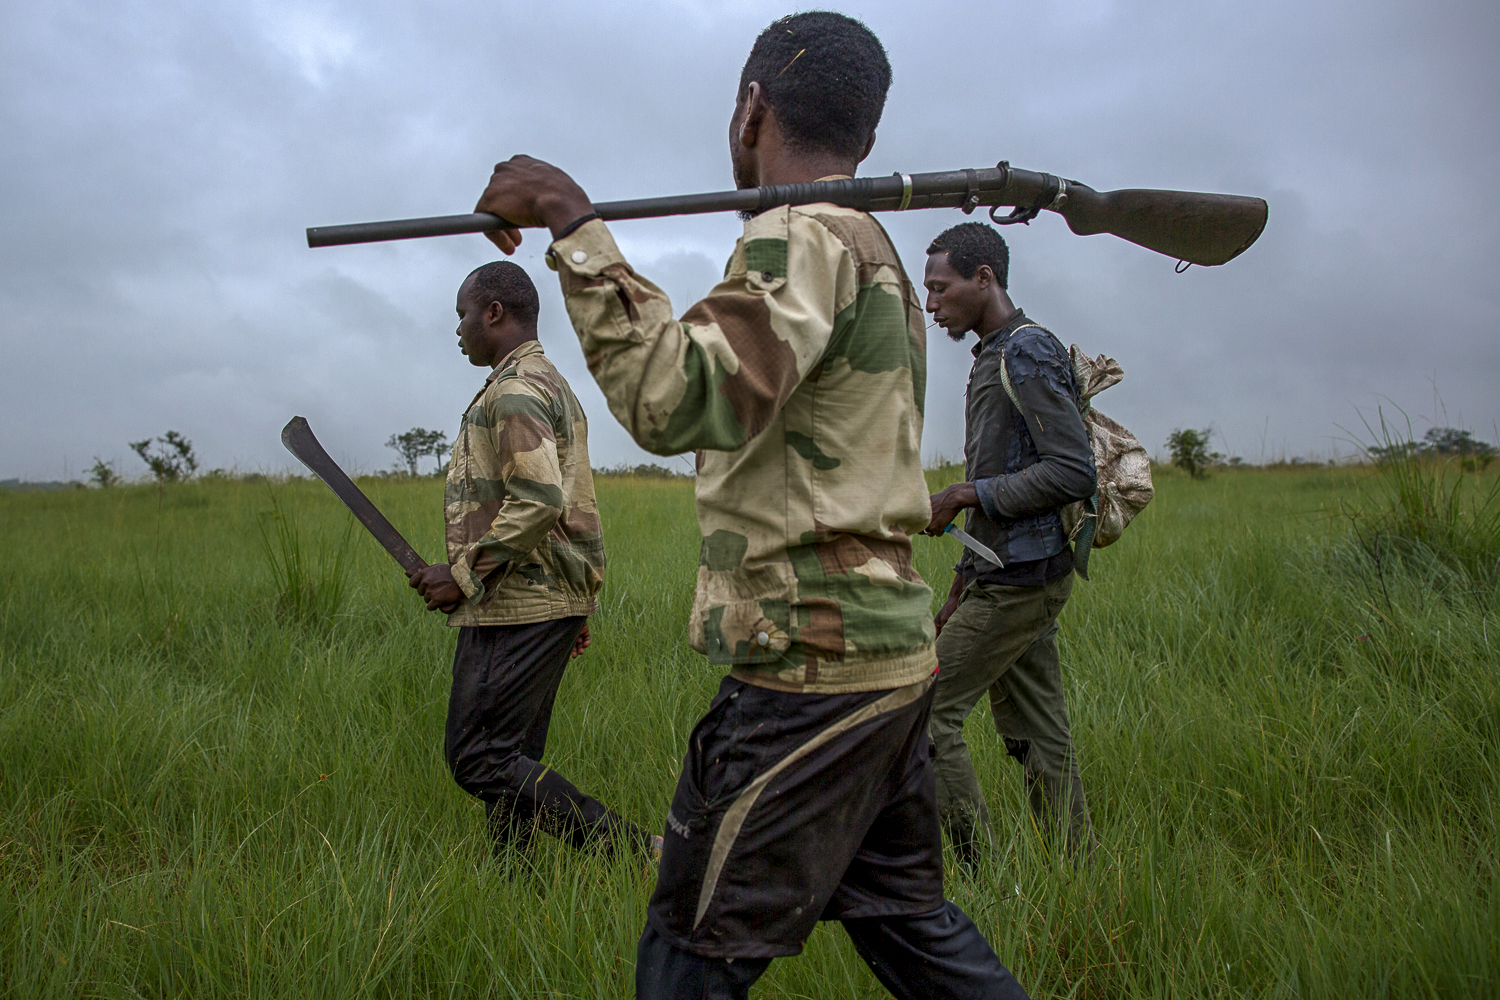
[(1026, 456)]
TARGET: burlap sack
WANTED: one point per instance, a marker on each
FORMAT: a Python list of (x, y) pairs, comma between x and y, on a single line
[(1124, 467)]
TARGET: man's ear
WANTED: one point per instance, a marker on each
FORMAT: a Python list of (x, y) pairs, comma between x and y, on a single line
[(756, 110), (494, 313), (984, 275), (868, 146)]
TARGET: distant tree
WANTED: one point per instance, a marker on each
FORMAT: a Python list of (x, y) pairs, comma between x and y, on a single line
[(417, 443), (1438, 442), (644, 471), (1452, 441), (172, 461), (1190, 451), (103, 474)]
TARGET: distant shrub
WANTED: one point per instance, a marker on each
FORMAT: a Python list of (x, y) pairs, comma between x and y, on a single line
[(1190, 452), (172, 460), (643, 471), (103, 474)]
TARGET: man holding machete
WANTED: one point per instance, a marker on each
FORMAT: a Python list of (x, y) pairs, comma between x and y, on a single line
[(526, 559), (807, 793)]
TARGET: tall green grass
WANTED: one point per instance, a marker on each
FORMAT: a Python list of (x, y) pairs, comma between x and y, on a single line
[(211, 786), (1433, 512), (311, 573)]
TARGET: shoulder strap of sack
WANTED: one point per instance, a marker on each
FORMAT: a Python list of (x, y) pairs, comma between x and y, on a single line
[(1005, 374)]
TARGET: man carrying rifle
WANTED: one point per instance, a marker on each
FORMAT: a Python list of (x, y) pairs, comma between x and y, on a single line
[(807, 792), (526, 559), (1026, 456)]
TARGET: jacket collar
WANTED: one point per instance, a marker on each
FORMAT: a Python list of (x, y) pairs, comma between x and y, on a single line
[(526, 350), (995, 336)]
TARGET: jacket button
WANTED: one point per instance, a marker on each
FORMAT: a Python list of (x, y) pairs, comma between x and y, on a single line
[(763, 638), (766, 276), (578, 256)]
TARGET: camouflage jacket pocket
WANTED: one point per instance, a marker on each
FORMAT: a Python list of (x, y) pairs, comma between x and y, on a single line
[(743, 632)]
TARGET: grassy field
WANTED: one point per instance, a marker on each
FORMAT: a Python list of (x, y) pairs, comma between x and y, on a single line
[(221, 764)]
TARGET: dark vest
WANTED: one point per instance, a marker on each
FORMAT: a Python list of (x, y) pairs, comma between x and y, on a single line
[(997, 441)]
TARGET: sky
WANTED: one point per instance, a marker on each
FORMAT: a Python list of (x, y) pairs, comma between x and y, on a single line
[(161, 160)]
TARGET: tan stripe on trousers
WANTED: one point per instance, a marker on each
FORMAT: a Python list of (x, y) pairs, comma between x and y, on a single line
[(734, 817)]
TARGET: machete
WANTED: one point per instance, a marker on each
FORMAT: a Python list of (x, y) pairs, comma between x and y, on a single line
[(300, 441)]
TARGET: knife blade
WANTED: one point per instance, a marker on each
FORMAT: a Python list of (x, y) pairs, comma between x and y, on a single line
[(974, 545)]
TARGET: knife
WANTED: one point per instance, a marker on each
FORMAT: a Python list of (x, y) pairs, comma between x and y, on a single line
[(974, 545)]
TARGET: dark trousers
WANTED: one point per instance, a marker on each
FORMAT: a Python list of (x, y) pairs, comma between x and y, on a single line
[(931, 956), (794, 808), (1002, 641), (505, 678)]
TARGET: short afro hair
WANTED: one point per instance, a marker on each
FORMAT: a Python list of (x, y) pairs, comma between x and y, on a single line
[(825, 75), (510, 285), (970, 244)]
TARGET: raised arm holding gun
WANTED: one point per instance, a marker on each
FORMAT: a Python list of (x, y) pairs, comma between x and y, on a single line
[(807, 793)]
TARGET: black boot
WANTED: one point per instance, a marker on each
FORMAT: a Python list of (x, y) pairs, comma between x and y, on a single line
[(507, 825), (967, 845)]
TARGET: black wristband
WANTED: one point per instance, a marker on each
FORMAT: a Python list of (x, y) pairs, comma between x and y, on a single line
[(570, 227)]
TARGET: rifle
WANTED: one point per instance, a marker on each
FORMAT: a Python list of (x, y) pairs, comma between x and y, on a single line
[(1204, 229)]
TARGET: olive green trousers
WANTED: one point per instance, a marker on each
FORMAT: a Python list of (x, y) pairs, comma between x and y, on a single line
[(1003, 641)]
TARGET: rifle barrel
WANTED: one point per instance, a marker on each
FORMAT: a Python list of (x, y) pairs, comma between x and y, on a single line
[(946, 189)]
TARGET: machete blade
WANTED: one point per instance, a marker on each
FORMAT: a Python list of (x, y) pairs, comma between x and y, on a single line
[(300, 441)]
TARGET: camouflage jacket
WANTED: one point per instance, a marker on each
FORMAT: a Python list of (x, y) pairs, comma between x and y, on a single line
[(798, 381), (523, 529)]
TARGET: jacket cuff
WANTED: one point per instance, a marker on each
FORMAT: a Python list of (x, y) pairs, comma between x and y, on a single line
[(582, 255), (986, 489), (463, 575)]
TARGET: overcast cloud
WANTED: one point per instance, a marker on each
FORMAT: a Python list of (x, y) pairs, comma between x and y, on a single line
[(160, 162)]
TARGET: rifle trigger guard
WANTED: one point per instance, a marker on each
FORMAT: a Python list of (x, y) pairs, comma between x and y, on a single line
[(1054, 196)]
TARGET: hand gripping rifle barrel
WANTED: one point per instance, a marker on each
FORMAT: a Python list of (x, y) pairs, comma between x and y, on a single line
[(1204, 229)]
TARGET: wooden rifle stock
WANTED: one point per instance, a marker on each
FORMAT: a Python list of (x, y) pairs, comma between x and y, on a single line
[(1205, 229)]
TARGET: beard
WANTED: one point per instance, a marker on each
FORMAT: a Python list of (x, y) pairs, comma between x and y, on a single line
[(957, 338), (742, 178), (742, 182)]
